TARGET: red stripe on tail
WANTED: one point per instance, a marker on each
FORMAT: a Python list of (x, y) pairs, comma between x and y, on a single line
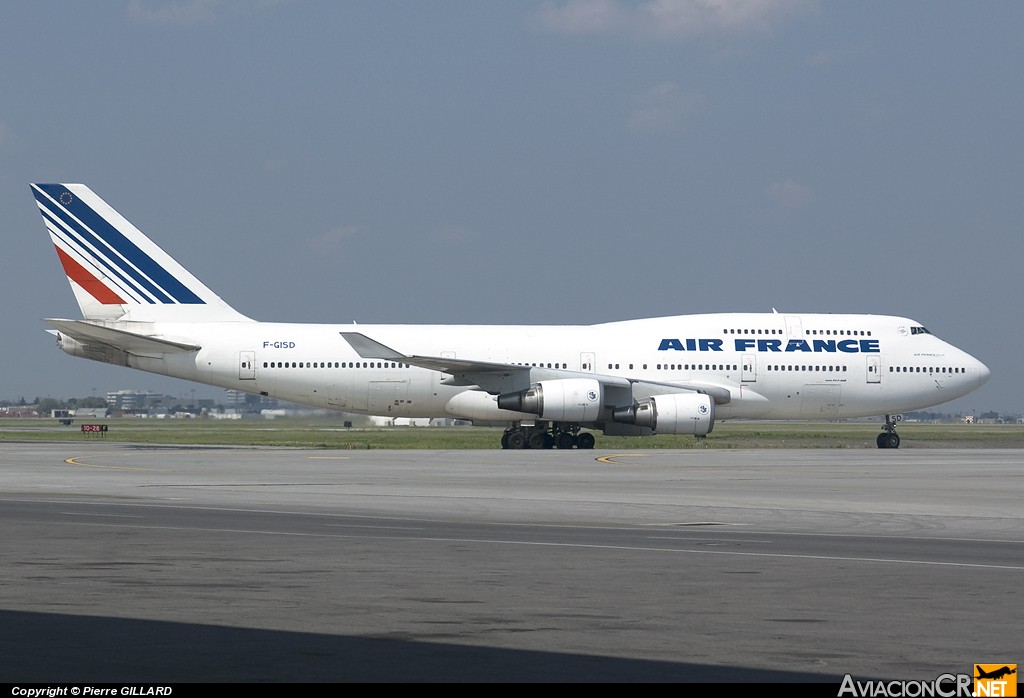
[(81, 276)]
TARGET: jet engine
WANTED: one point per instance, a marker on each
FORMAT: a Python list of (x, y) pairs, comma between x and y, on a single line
[(564, 400), (675, 413)]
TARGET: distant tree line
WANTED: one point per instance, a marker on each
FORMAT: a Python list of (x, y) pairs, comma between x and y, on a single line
[(923, 416), (45, 404)]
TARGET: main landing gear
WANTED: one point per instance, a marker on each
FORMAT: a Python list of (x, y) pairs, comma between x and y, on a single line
[(540, 436), (889, 438)]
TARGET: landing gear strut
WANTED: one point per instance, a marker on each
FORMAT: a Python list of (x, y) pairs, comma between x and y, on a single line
[(539, 436), (889, 438)]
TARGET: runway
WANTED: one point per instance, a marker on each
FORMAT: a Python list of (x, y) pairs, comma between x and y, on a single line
[(174, 564)]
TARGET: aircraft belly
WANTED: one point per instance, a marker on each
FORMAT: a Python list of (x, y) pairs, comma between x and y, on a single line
[(821, 401), (409, 395), (340, 394), (386, 397)]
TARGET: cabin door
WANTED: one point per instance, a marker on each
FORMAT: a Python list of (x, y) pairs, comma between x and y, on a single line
[(587, 361), (874, 369), (247, 365), (749, 373)]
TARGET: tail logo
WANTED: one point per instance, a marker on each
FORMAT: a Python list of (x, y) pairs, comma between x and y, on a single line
[(103, 253)]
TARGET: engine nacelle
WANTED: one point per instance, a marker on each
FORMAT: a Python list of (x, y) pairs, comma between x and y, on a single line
[(676, 413), (480, 407), (563, 400)]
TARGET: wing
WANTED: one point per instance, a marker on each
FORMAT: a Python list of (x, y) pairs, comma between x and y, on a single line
[(498, 378)]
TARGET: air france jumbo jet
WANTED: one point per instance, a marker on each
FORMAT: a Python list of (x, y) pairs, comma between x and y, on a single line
[(669, 375)]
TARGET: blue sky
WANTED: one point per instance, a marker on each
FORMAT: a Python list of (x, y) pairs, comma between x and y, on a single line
[(521, 162)]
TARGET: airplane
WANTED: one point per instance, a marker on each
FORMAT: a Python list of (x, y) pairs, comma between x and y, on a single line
[(996, 674), (551, 386)]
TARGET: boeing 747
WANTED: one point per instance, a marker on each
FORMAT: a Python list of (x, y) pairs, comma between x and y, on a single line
[(550, 385)]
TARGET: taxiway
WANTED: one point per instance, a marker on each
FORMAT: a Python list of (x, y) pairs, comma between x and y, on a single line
[(135, 563)]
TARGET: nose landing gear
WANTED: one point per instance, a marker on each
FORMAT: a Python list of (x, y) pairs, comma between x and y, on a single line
[(889, 438)]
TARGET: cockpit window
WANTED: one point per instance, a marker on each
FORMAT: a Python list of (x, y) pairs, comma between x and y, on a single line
[(919, 330)]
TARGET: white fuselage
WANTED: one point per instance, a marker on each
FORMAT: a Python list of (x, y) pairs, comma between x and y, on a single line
[(773, 366)]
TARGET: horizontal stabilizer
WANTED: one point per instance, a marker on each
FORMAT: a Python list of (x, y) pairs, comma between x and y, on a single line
[(87, 333)]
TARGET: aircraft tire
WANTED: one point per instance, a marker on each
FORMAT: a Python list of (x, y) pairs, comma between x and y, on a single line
[(888, 440), (516, 440), (585, 440)]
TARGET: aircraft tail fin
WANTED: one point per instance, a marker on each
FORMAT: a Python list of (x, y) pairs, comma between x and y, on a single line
[(115, 271)]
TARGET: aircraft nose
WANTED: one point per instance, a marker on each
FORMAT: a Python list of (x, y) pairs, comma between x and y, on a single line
[(983, 374)]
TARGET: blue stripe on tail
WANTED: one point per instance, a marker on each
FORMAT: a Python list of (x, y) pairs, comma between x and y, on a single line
[(58, 225), (164, 286)]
